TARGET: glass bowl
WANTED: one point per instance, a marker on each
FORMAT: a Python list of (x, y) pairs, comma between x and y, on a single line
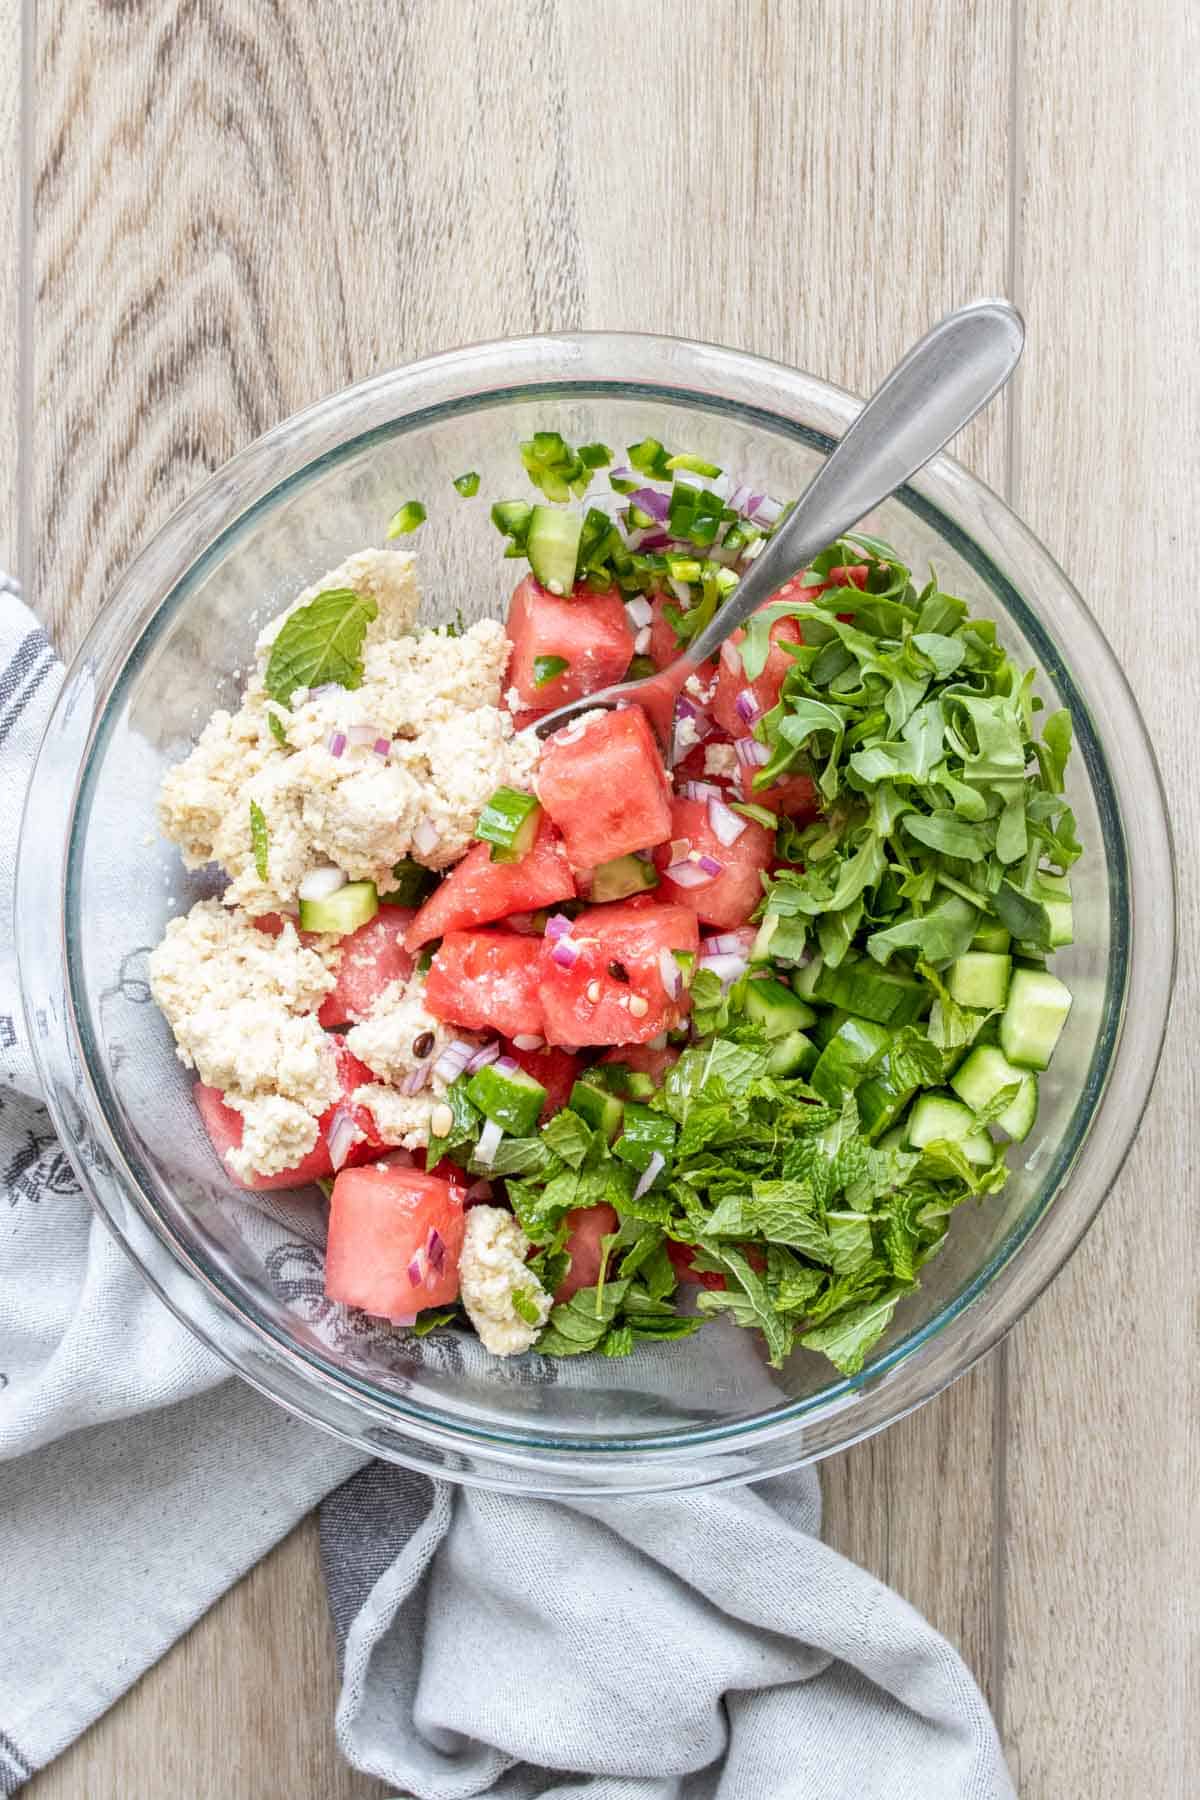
[(96, 885)]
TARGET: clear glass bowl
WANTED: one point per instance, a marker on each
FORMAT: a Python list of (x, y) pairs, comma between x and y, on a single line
[(96, 885)]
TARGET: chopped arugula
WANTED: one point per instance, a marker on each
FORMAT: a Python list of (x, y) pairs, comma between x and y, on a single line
[(320, 642)]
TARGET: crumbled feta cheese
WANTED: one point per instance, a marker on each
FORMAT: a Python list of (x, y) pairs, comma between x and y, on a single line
[(277, 1134), (720, 759), (491, 1265), (686, 736), (400, 1119), (243, 1009), (701, 691), (398, 1019)]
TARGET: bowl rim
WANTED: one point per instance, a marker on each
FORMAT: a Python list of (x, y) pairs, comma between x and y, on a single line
[(973, 1319)]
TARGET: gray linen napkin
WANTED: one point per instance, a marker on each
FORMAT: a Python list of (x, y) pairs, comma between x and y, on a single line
[(650, 1649)]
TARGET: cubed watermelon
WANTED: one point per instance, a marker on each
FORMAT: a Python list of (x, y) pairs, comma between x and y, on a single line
[(765, 688), (395, 1237), (224, 1127), (794, 795), (586, 1226), (487, 980), (727, 899), (605, 787), (588, 632), (557, 1071), (644, 1060), (616, 990), (370, 959), (478, 890)]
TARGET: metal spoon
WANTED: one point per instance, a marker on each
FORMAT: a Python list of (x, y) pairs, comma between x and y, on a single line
[(937, 389)]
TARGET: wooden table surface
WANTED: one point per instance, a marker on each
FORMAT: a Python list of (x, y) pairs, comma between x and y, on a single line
[(228, 208)]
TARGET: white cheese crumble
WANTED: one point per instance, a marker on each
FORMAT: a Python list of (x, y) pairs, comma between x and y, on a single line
[(720, 759), (243, 1008), (384, 1041), (491, 1265)]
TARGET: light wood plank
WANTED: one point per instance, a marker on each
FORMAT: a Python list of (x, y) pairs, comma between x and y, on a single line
[(242, 208), (10, 194), (1103, 1683)]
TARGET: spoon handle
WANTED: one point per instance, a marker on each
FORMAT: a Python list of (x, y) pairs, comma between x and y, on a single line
[(941, 384)]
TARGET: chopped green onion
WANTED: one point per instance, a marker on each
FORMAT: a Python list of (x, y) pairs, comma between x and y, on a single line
[(413, 882), (410, 515), (594, 456), (640, 668), (512, 518), (621, 484), (649, 458), (683, 568), (695, 465), (554, 468), (467, 485), (509, 824), (546, 668)]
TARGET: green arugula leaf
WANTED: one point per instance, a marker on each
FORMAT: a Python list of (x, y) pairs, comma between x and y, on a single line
[(320, 642)]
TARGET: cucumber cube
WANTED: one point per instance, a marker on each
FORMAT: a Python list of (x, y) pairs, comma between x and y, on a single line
[(553, 547), (794, 1054), (508, 1096), (992, 937), (853, 1050), (1038, 1004), (937, 1119), (860, 986), (881, 1100), (341, 912), (980, 979), (776, 1008), (597, 1107), (1054, 892), (623, 876), (986, 1073)]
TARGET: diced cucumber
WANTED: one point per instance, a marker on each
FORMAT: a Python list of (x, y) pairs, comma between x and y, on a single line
[(619, 1078), (597, 1107), (853, 1050), (1038, 1004), (980, 979), (509, 1096), (1054, 892), (826, 1023), (893, 1139), (341, 912), (773, 1006), (509, 823), (794, 1054), (623, 876), (553, 547), (860, 986), (644, 1134), (881, 1099), (986, 1073), (993, 938), (937, 1119), (806, 977)]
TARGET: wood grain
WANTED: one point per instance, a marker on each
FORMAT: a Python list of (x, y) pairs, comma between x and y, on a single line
[(10, 255), (1103, 1683), (243, 206)]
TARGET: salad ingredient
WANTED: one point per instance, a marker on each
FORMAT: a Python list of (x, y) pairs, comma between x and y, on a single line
[(603, 783), (980, 978), (395, 1240), (279, 1120), (552, 544), (509, 823), (621, 878), (860, 986), (478, 890), (367, 962), (997, 1091), (406, 519), (587, 632), (1032, 1022), (585, 1250), (725, 894), (467, 484), (553, 1069), (504, 1299), (938, 1119), (587, 1003), (400, 1036), (504, 1093), (488, 980), (350, 905)]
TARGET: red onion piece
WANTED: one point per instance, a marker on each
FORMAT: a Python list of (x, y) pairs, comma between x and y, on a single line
[(739, 497), (416, 1269), (638, 612), (731, 657), (402, 1318), (342, 1136), (700, 790), (688, 874), (480, 1060), (725, 968), (507, 1065), (335, 743), (752, 504), (729, 943), (727, 826), (321, 882), (670, 973), (453, 1060), (655, 540), (651, 501), (681, 591), (710, 865), (641, 642), (565, 953), (650, 1174), (326, 687), (435, 1249), (767, 510), (750, 753), (363, 734), (415, 1081), (557, 925), (426, 838), (382, 746), (747, 707), (489, 1143)]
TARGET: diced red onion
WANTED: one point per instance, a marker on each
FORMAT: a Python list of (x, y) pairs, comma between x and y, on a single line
[(488, 1054), (426, 838), (489, 1143), (731, 657), (319, 883), (681, 591), (688, 874), (326, 687), (651, 501), (739, 497), (725, 968), (710, 865), (687, 708), (754, 549), (453, 1060), (623, 473), (508, 1065), (361, 735), (641, 642), (382, 746), (415, 1081), (638, 612), (699, 790), (529, 1040), (767, 510), (670, 973), (750, 753), (727, 826), (751, 504), (654, 540), (416, 1269), (557, 925), (435, 1249), (720, 485), (335, 743), (747, 707), (565, 953), (402, 1318), (650, 1174), (729, 943), (342, 1136)]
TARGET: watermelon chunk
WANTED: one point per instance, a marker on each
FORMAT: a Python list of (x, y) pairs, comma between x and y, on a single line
[(395, 1237), (765, 688), (794, 795), (728, 899), (605, 787), (588, 631), (557, 1071), (617, 970), (643, 1060), (487, 980), (586, 1225), (478, 890), (371, 959)]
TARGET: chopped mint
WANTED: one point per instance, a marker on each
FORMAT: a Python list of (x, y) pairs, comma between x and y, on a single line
[(260, 838)]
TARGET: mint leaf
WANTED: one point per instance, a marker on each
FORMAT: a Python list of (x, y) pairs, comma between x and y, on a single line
[(321, 641), (846, 1339), (568, 1137), (525, 1306), (260, 838)]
